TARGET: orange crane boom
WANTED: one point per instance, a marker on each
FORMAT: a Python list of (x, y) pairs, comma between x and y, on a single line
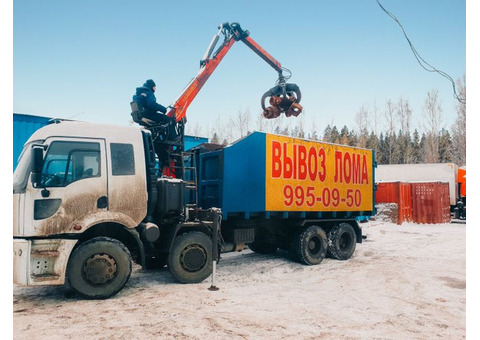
[(283, 97)]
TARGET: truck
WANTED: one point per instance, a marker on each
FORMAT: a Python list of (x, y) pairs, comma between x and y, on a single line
[(430, 172), (88, 200)]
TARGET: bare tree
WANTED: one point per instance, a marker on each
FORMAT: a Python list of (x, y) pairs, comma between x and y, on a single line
[(373, 138), (362, 121), (261, 123), (375, 118), (459, 128), (219, 132), (404, 114), (194, 130), (391, 120), (300, 126), (313, 134), (433, 119), (239, 126), (277, 125)]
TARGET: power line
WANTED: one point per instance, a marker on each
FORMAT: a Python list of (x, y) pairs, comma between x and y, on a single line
[(425, 65)]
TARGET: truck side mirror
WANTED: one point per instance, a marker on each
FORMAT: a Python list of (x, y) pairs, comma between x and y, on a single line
[(37, 166)]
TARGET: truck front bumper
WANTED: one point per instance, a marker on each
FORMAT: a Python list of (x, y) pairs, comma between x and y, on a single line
[(40, 262)]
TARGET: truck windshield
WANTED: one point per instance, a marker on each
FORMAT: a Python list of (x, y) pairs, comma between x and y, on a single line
[(22, 171)]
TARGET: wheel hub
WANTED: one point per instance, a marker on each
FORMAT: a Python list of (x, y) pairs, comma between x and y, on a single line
[(193, 258), (314, 245), (345, 241), (100, 269)]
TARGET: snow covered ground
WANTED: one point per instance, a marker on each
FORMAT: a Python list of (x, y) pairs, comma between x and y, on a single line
[(403, 282)]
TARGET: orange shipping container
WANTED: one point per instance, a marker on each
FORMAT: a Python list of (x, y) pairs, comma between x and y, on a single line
[(417, 202), (387, 192), (431, 202), (399, 193)]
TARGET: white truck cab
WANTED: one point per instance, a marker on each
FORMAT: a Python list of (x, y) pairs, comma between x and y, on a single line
[(88, 176)]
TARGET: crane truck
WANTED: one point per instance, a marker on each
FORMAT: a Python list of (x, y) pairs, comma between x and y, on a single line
[(88, 199)]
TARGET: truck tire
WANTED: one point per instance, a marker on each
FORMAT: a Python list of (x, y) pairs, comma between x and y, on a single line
[(309, 246), (99, 268), (342, 241), (190, 260)]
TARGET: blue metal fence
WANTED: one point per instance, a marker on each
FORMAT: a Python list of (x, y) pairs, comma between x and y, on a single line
[(25, 125)]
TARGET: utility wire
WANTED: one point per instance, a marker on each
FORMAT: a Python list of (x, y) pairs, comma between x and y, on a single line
[(425, 65)]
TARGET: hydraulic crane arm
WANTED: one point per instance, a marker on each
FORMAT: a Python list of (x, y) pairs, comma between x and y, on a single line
[(283, 97)]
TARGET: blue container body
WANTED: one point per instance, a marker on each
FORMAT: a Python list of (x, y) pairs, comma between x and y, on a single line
[(244, 176), (234, 179), (229, 178)]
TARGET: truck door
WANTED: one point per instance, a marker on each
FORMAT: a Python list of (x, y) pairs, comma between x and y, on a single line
[(73, 186)]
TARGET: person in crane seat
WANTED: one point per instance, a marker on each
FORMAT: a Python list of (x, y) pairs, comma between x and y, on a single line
[(152, 115), (145, 98)]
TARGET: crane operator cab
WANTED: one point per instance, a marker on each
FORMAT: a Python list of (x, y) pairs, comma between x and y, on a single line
[(170, 131), (167, 139)]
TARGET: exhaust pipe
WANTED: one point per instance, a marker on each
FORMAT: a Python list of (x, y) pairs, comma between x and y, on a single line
[(149, 232)]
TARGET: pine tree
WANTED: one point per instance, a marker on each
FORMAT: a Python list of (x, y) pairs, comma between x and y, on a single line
[(327, 133), (408, 148), (416, 156), (394, 149), (352, 139), (423, 142), (390, 146), (445, 154), (372, 142), (382, 150), (334, 136), (215, 139), (295, 132), (344, 136), (400, 149)]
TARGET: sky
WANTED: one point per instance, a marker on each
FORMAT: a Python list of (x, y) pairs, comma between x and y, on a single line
[(83, 59)]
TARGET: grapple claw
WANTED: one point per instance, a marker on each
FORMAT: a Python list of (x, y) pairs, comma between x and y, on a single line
[(272, 112), (283, 99), (275, 100), (294, 110)]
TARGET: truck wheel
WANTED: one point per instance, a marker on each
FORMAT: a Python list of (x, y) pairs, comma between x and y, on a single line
[(99, 268), (309, 246), (342, 241), (263, 247), (190, 260)]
